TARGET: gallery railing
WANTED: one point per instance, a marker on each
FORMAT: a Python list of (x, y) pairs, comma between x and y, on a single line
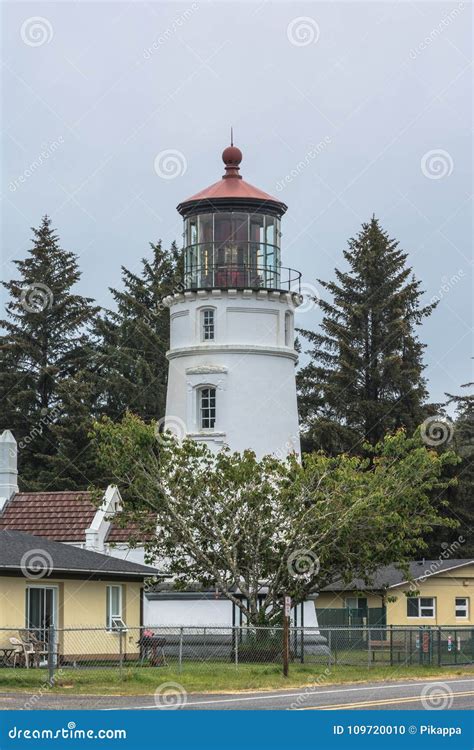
[(234, 276)]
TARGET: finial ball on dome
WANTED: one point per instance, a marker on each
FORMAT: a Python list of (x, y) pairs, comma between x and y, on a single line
[(232, 156)]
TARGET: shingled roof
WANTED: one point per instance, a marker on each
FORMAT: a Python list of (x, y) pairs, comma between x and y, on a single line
[(63, 560), (61, 516), (390, 576)]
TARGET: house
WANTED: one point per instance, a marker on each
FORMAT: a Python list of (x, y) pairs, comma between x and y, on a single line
[(44, 584), (437, 592)]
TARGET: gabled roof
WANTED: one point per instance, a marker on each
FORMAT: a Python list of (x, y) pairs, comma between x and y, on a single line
[(62, 516), (38, 558), (390, 576)]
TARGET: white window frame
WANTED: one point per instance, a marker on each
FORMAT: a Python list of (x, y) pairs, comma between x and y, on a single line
[(461, 608), (200, 418), (208, 327), (421, 607), (113, 620)]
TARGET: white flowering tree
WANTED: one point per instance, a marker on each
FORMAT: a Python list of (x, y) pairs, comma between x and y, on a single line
[(268, 528)]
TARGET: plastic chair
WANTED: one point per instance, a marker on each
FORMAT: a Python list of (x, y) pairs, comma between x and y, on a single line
[(22, 649)]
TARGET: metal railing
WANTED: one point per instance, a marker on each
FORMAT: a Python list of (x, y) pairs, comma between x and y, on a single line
[(234, 276), (180, 648)]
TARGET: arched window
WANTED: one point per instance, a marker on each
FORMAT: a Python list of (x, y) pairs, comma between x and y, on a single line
[(288, 328), (208, 324), (207, 408)]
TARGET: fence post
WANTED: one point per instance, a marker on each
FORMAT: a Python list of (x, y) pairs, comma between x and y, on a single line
[(302, 645), (51, 654), (286, 644), (439, 646), (180, 655), (391, 644), (120, 653), (369, 648), (236, 650), (329, 648)]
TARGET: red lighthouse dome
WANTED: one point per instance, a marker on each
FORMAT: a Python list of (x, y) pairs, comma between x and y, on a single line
[(232, 191), (232, 235)]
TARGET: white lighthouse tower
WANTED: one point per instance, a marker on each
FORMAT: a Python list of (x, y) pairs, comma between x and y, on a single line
[(231, 358)]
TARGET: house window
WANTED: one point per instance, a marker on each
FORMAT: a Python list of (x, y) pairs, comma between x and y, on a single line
[(356, 602), (208, 325), (421, 606), (462, 607), (207, 408), (114, 607), (288, 328)]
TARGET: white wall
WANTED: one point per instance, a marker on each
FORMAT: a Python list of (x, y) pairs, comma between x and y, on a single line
[(249, 363), (181, 612)]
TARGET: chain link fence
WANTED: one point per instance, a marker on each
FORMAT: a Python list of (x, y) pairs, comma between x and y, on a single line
[(180, 648)]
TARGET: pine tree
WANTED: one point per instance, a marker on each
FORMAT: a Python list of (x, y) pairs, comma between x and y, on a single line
[(131, 364), (44, 347), (461, 495), (365, 374)]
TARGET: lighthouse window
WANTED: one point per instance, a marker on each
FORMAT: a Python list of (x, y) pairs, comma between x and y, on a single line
[(208, 327), (207, 408)]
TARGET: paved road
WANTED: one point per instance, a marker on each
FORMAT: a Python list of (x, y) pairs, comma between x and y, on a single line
[(450, 694)]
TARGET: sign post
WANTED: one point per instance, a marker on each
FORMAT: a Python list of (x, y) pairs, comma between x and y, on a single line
[(286, 634)]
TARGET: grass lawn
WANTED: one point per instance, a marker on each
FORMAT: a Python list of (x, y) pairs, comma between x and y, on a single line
[(211, 677)]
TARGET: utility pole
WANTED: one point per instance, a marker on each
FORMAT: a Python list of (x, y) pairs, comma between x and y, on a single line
[(286, 634)]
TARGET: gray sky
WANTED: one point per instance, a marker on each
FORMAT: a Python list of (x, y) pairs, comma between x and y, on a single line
[(341, 110)]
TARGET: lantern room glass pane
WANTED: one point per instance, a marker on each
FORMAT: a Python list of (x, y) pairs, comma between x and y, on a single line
[(232, 249)]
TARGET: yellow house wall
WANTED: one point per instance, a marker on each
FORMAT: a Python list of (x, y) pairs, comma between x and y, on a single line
[(337, 600), (81, 604), (443, 587)]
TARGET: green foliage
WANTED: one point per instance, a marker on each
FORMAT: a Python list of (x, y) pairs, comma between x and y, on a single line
[(365, 375), (269, 528), (459, 542), (131, 366), (44, 351)]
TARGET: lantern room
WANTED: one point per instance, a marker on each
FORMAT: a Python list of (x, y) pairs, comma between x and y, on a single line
[(232, 235)]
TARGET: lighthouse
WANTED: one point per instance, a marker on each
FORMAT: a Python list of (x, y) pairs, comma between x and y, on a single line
[(232, 359)]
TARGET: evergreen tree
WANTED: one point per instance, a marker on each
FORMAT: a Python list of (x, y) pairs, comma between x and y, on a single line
[(131, 365), (460, 542), (365, 374), (44, 348)]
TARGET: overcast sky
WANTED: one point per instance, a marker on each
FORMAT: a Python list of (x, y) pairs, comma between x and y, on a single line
[(341, 110)]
